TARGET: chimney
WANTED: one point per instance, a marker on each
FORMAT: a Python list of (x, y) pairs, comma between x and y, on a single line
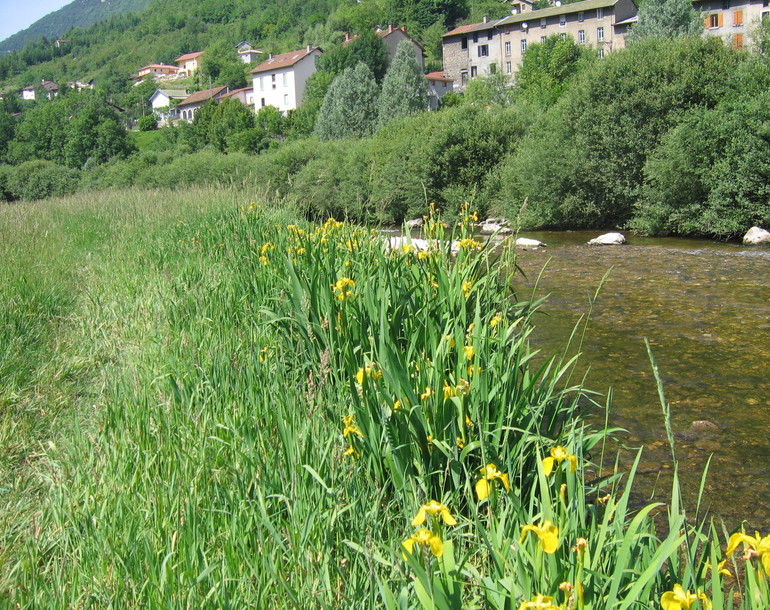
[(270, 56), (390, 28), (309, 48), (347, 36), (486, 19)]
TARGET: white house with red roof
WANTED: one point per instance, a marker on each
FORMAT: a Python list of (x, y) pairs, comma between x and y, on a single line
[(439, 84), (189, 62), (280, 80), (159, 71)]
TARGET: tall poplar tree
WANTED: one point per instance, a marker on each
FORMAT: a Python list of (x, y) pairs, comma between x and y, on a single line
[(349, 109), (666, 18), (405, 89)]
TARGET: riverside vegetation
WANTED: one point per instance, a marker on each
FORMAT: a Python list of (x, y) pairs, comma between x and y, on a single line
[(665, 137), (207, 402)]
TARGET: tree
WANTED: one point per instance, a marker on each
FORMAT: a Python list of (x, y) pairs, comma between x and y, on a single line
[(493, 89), (7, 128), (302, 120), (368, 48), (404, 90), (221, 64), (666, 19), (548, 67), (349, 109)]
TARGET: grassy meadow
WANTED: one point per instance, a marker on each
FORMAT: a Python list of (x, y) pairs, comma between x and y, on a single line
[(206, 402)]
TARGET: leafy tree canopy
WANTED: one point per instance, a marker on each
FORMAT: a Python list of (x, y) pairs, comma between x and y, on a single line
[(349, 109), (404, 90), (666, 19)]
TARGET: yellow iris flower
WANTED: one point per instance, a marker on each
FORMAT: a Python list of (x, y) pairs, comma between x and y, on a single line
[(558, 455), (434, 508), (469, 352), (370, 370), (758, 547), (679, 599), (424, 537), (343, 288), (350, 427), (490, 473), (547, 533), (539, 602)]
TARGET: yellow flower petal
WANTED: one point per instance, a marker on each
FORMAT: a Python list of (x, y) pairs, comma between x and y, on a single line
[(420, 518), (548, 465), (482, 489)]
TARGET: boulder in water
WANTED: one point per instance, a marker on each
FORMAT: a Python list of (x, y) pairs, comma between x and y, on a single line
[(755, 236), (526, 242), (495, 225), (608, 239)]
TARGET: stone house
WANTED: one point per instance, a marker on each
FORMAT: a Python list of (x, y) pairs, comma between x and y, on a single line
[(392, 37), (280, 80), (471, 50)]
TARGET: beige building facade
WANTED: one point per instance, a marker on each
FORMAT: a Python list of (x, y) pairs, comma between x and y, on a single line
[(732, 20), (470, 51), (599, 24)]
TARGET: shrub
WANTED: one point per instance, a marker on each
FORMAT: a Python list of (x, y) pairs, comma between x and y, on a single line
[(41, 179), (147, 123)]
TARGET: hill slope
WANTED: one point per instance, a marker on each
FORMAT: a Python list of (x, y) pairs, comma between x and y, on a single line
[(79, 13)]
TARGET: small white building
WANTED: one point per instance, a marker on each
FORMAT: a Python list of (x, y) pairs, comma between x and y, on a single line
[(246, 53), (245, 95), (161, 103), (280, 80), (160, 71), (438, 86)]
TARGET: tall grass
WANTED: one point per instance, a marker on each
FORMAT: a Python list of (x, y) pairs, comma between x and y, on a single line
[(205, 404)]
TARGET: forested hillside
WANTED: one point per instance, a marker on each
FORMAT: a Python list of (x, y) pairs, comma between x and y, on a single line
[(77, 14)]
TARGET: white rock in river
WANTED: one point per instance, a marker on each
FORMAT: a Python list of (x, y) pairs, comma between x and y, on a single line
[(755, 236), (495, 225), (415, 223), (608, 239), (399, 241), (526, 242)]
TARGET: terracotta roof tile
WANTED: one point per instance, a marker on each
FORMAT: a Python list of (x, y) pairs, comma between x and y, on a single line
[(202, 96), (187, 56), (283, 60)]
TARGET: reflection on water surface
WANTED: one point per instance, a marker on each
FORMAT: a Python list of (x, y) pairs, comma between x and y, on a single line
[(705, 308)]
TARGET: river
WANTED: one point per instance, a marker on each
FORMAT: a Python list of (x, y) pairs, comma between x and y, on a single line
[(705, 309)]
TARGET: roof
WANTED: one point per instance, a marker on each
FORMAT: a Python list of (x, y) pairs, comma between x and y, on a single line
[(476, 27), (237, 91), (284, 60), (187, 56), (628, 21), (574, 7), (439, 76), (158, 66), (202, 96), (176, 94)]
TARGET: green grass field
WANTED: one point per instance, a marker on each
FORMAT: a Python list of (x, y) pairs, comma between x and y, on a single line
[(205, 402)]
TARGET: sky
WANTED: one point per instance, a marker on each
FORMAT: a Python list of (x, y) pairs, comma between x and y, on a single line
[(16, 15)]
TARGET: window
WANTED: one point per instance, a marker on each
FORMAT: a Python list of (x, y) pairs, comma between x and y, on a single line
[(581, 16), (562, 19), (464, 42), (600, 13), (738, 18), (715, 20), (600, 34), (507, 48), (543, 39), (483, 50), (286, 99), (476, 37), (738, 42), (285, 79), (463, 78), (263, 102), (765, 16), (474, 71), (563, 36), (600, 53), (543, 22), (523, 47), (493, 68), (272, 77), (581, 36), (489, 35), (261, 83), (507, 67)]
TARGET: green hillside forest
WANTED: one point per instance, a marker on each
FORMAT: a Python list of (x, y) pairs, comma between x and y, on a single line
[(76, 14)]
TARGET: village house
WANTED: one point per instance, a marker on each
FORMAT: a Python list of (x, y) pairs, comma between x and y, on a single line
[(438, 86), (732, 19), (280, 80), (471, 50), (245, 95), (50, 88), (392, 37), (246, 53), (158, 71), (188, 63), (189, 106), (599, 24), (162, 101)]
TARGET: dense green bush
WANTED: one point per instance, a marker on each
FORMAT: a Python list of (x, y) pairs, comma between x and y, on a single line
[(582, 163), (40, 179), (147, 123)]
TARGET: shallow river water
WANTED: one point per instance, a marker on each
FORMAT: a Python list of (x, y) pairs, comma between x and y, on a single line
[(705, 308)]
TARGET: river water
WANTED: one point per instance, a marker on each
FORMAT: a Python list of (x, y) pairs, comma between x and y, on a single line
[(705, 309)]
